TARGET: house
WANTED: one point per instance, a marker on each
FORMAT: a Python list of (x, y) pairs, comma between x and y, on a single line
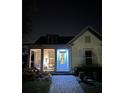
[(63, 54), (86, 48)]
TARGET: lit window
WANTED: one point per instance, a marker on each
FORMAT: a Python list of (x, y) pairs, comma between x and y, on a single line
[(49, 60)]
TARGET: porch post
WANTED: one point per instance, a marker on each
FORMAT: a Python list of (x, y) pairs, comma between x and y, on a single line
[(42, 59), (29, 58), (55, 60)]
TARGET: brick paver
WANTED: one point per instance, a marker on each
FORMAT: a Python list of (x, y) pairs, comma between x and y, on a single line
[(65, 84)]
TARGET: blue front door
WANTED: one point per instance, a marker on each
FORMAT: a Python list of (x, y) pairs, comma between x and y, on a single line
[(62, 60)]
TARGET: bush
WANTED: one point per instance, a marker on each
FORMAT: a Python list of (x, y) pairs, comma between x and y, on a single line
[(93, 72), (34, 74)]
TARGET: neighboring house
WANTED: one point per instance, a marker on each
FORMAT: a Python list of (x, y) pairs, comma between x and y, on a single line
[(55, 53)]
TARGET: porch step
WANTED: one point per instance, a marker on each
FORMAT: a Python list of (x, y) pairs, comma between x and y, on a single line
[(62, 73)]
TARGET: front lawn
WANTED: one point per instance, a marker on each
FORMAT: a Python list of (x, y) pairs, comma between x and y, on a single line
[(89, 88), (42, 86)]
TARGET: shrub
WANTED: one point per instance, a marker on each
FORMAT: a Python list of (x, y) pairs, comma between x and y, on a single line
[(93, 72), (34, 74)]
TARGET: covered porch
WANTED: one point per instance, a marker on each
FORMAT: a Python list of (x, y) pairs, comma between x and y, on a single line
[(50, 58)]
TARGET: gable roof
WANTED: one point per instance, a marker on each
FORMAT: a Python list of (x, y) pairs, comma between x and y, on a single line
[(90, 29)]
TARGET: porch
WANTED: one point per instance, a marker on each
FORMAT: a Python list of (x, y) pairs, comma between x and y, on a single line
[(50, 59)]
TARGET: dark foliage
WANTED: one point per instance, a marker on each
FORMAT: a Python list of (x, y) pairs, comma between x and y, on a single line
[(89, 72), (30, 74)]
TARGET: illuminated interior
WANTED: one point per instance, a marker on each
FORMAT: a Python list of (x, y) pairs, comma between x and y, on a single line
[(49, 60), (35, 58), (62, 60)]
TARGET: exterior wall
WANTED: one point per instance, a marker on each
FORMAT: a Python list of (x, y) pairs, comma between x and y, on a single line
[(79, 46)]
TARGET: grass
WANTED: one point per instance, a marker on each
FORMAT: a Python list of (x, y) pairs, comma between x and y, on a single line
[(97, 88), (36, 86)]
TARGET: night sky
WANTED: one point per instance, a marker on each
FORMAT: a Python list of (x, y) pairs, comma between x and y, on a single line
[(63, 17)]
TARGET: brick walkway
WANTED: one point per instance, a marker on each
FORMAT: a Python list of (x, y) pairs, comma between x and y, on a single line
[(65, 84)]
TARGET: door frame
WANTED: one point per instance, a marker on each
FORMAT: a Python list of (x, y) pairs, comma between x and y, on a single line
[(68, 62)]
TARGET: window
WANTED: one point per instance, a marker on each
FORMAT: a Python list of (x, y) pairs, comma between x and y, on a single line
[(49, 60), (87, 39), (88, 57)]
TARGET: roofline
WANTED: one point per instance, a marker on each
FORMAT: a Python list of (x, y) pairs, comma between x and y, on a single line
[(45, 44), (82, 32)]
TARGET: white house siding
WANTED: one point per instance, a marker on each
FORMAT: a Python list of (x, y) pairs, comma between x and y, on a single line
[(79, 46)]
